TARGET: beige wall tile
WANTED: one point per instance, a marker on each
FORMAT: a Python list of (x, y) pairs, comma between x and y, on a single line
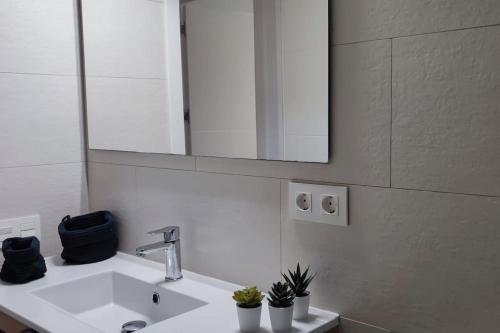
[(39, 120), (113, 188), (38, 37), (230, 225), (363, 20), (411, 261), (360, 123), (124, 38), (142, 159), (135, 111), (446, 112), (240, 143)]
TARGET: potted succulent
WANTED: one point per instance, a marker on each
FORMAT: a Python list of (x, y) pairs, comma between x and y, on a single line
[(299, 281), (281, 306), (249, 306)]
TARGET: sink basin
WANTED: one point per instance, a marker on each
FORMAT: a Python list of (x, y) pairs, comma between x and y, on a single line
[(101, 297), (108, 300)]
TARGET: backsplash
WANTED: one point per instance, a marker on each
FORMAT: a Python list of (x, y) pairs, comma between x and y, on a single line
[(419, 253)]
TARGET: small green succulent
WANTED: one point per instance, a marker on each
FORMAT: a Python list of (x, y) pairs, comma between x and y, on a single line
[(280, 295), (299, 281), (250, 297)]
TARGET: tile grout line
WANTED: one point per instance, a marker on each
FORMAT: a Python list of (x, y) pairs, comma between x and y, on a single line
[(281, 226), (305, 180), (360, 42), (136, 201), (331, 45), (390, 122), (492, 196), (418, 34), (41, 165), (125, 77), (82, 75), (40, 74)]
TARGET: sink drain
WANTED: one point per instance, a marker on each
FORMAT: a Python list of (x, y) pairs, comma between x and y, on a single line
[(133, 326)]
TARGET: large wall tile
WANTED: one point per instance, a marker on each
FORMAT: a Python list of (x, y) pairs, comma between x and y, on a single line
[(139, 105), (38, 36), (230, 225), (39, 120), (162, 161), (113, 188), (446, 116), (411, 261), (306, 148), (124, 38), (305, 92), (360, 123), (363, 20), (52, 191), (241, 143)]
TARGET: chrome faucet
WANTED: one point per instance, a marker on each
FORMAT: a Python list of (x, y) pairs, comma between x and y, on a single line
[(171, 244)]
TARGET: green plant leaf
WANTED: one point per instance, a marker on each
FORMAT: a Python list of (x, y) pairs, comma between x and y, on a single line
[(280, 295), (248, 297), (299, 281)]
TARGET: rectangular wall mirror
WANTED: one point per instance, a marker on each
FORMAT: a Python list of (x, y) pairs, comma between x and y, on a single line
[(225, 78)]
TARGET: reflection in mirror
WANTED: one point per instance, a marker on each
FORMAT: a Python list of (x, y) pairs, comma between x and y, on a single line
[(227, 78)]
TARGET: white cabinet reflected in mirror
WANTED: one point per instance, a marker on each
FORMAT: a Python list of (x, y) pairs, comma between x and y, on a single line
[(225, 78)]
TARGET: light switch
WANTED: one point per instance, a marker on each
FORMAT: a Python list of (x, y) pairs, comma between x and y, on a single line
[(27, 225), (4, 237), (6, 230), (20, 227)]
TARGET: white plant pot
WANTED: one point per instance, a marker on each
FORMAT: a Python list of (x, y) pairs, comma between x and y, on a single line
[(301, 307), (249, 318), (281, 318)]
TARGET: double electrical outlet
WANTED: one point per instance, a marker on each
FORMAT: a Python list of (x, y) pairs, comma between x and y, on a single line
[(318, 203)]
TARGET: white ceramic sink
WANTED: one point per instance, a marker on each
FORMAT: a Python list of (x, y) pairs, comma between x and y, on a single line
[(108, 300), (101, 297)]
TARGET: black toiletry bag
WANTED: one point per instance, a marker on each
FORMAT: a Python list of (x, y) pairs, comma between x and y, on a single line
[(23, 261), (88, 238)]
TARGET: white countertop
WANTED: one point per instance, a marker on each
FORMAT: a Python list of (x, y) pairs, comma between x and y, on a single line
[(218, 316)]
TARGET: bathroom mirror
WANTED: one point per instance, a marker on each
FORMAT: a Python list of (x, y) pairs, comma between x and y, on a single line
[(225, 78)]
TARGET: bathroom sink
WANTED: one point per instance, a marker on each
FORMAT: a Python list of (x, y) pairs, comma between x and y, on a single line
[(101, 297), (108, 300)]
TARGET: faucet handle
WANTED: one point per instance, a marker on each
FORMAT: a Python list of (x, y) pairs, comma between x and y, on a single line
[(170, 234)]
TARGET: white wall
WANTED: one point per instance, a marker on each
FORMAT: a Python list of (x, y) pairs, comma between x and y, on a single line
[(415, 123), (291, 38), (305, 79), (175, 84), (127, 48), (42, 167), (268, 78), (221, 92)]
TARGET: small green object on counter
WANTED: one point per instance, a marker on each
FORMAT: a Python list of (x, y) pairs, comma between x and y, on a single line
[(249, 297)]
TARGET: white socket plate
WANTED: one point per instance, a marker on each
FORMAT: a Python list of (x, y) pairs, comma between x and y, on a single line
[(316, 213)]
